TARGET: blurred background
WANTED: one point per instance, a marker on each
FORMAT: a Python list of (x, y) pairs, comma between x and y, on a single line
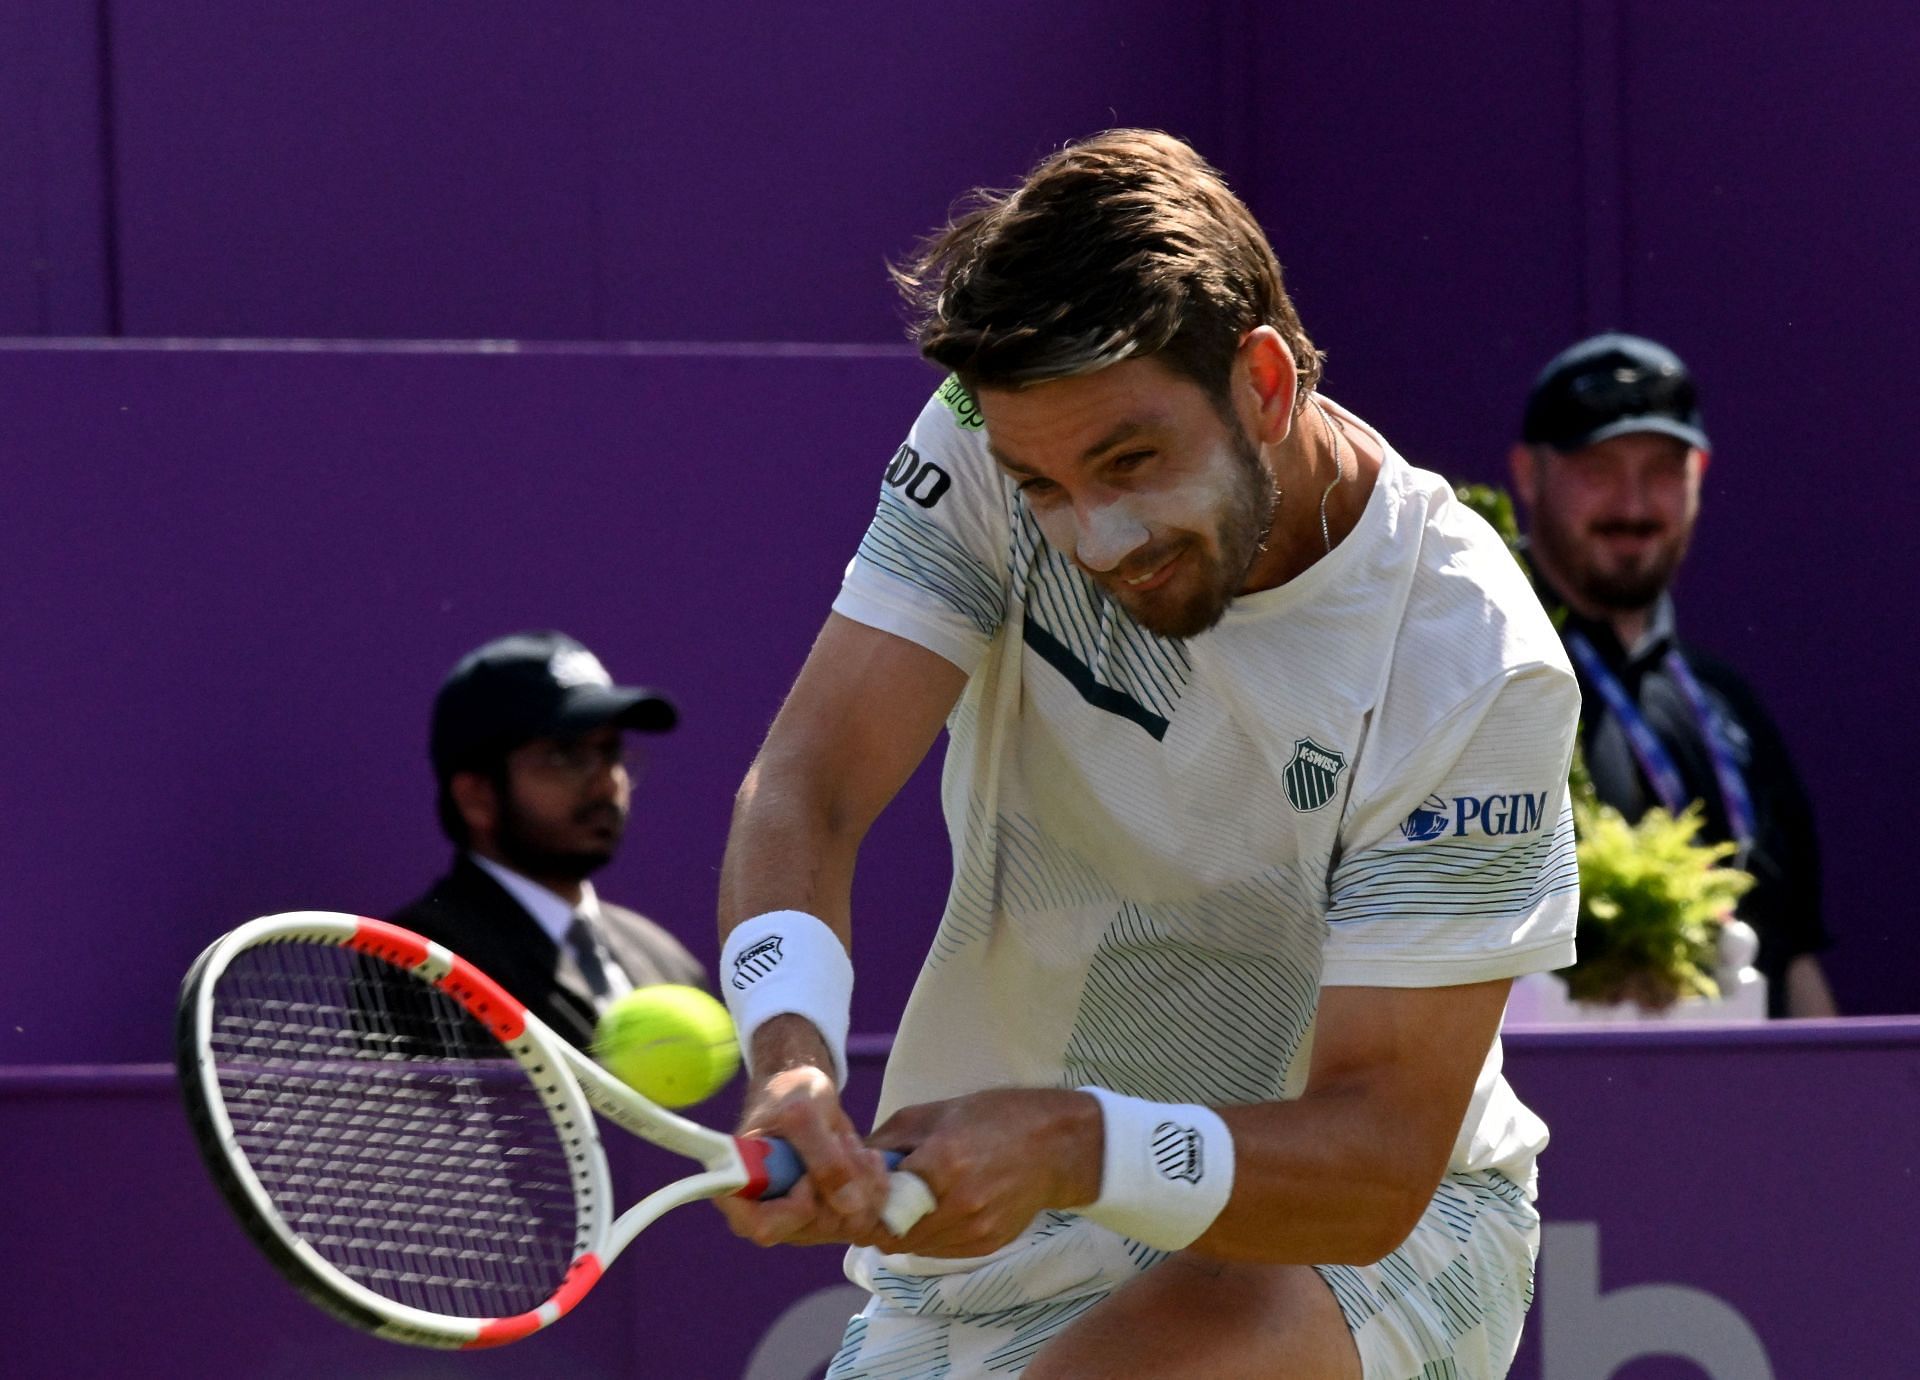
[(340, 337)]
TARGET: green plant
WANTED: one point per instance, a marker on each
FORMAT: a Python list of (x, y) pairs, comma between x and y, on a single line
[(1651, 903), (1652, 897)]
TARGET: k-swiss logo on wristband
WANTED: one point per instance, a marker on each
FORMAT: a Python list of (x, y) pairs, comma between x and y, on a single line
[(755, 963), (1176, 1152)]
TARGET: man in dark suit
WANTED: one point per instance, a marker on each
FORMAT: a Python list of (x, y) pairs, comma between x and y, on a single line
[(528, 747)]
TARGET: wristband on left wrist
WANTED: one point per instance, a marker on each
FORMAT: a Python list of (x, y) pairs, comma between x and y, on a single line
[(1166, 1169)]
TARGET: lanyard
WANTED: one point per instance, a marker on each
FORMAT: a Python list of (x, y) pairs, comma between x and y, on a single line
[(1656, 763)]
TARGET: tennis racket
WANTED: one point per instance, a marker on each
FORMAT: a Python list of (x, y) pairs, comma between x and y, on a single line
[(411, 1147)]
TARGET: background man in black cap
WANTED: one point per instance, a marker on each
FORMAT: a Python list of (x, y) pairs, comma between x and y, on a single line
[(1609, 466), (528, 749)]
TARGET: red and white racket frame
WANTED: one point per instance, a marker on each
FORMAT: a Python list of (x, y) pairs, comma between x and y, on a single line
[(572, 1086)]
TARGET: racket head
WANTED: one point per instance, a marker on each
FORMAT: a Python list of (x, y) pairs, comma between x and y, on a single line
[(397, 1134)]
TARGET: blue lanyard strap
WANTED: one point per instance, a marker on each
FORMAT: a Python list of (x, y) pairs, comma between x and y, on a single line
[(1733, 784), (1656, 763)]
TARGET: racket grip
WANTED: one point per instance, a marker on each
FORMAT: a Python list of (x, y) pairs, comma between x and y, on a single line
[(782, 1167), (908, 1197)]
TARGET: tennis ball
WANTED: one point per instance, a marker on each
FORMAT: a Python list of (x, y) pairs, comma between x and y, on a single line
[(673, 1044)]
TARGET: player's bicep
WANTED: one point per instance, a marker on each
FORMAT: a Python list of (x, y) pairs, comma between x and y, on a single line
[(1414, 1054)]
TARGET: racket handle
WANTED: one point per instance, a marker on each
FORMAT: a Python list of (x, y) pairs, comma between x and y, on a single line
[(908, 1197)]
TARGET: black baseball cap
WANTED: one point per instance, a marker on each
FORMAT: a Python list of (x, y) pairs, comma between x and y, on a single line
[(532, 685), (1612, 385)]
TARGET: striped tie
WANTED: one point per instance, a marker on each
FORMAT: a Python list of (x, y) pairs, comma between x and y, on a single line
[(603, 976)]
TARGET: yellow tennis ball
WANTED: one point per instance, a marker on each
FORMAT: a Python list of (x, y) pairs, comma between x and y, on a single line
[(670, 1043)]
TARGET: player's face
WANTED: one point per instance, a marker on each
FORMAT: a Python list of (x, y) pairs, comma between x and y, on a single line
[(565, 807), (1612, 521), (1133, 474)]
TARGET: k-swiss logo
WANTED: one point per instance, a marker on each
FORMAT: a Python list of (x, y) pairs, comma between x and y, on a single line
[(1176, 1152), (755, 963), (1311, 774)]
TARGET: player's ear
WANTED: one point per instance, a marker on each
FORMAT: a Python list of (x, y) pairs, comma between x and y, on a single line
[(1269, 382), (1520, 463), (478, 801)]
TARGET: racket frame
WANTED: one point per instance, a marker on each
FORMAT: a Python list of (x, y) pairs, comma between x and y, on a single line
[(570, 1084)]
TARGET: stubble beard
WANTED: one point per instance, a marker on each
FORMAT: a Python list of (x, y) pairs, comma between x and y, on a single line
[(1630, 588), (1197, 598), (518, 841)]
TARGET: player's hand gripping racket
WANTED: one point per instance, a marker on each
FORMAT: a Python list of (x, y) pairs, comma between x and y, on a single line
[(413, 1148)]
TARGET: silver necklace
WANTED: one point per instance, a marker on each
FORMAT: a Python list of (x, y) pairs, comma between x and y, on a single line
[(1339, 473)]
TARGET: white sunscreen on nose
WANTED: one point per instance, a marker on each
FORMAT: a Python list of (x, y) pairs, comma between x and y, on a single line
[(1106, 535), (1109, 534)]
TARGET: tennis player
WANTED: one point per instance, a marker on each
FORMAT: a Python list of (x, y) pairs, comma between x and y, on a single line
[(1256, 794)]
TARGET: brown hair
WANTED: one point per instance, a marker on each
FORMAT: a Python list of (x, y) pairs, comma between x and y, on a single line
[(1123, 245)]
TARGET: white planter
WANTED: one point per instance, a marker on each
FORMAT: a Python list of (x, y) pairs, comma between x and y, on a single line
[(1540, 999)]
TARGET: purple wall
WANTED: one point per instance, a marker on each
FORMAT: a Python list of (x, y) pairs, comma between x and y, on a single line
[(1794, 1221), (56, 264), (1479, 184), (1457, 191), (594, 171), (235, 580), (238, 576)]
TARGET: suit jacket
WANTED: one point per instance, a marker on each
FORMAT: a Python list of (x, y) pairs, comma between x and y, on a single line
[(477, 918)]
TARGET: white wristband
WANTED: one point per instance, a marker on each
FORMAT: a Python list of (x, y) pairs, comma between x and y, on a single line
[(1166, 1171), (787, 962)]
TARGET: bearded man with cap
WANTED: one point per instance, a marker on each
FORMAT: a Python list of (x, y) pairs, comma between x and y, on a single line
[(528, 747), (1609, 466)]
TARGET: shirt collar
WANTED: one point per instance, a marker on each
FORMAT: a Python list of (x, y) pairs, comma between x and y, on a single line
[(549, 911)]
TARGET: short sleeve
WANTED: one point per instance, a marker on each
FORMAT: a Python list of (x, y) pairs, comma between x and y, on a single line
[(933, 565), (1460, 864)]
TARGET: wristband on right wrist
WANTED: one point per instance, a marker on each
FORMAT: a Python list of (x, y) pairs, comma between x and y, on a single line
[(787, 962), (1166, 1170)]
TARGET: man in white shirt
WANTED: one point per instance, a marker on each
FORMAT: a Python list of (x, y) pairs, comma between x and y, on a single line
[(528, 747), (1256, 794)]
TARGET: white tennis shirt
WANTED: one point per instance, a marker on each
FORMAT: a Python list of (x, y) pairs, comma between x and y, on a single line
[(1163, 849)]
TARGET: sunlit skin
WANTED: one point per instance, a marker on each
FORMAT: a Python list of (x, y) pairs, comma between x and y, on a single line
[(562, 815), (1611, 521), (1169, 506)]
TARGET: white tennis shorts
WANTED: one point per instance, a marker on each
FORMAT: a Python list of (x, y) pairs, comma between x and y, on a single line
[(1447, 1305)]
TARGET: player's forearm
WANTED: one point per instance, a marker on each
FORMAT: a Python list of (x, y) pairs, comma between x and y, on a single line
[(785, 919), (1330, 1179), (789, 848)]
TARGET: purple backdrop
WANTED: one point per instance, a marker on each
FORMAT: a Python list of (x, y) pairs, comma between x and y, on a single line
[(1703, 1186), (1457, 191), (581, 170), (57, 269), (236, 579), (1480, 184)]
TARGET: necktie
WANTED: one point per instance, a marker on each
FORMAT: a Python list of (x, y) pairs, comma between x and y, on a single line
[(602, 975)]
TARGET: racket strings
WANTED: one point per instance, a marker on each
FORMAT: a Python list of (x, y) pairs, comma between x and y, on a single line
[(394, 1134)]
